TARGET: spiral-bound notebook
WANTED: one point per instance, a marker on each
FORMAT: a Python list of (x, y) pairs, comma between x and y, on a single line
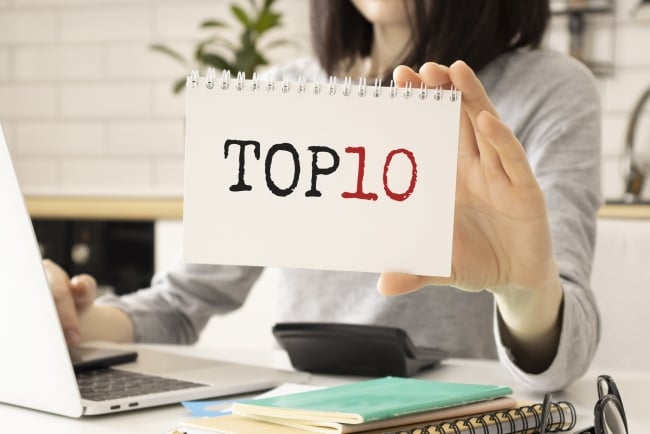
[(523, 419), (336, 175)]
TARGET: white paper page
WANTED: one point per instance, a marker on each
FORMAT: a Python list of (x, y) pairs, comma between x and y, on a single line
[(285, 213)]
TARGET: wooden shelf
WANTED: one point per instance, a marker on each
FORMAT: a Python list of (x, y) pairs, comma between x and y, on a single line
[(106, 208), (625, 211), (565, 7), (154, 208)]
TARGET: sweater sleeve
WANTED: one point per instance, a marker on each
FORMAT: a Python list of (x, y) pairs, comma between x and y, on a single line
[(560, 128), (180, 301)]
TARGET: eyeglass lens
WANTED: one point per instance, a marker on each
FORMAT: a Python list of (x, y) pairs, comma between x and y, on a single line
[(611, 417), (606, 386)]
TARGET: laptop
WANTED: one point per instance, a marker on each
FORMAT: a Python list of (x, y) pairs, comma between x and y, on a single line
[(36, 369)]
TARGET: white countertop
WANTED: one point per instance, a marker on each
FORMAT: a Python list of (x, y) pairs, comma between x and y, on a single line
[(632, 384)]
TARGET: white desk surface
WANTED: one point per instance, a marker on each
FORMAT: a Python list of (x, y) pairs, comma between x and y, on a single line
[(632, 385)]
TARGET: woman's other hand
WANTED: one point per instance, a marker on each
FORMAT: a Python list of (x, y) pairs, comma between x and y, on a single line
[(72, 297), (502, 240)]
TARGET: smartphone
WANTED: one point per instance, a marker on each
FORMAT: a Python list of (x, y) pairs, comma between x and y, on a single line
[(85, 359)]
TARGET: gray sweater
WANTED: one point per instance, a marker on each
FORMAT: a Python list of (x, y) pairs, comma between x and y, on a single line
[(551, 104)]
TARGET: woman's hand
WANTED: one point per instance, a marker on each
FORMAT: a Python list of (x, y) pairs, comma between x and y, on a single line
[(82, 319), (72, 297), (502, 239)]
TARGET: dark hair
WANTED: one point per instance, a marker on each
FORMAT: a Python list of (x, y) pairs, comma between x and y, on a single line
[(476, 31)]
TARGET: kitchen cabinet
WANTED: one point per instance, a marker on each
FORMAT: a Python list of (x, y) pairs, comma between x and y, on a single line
[(113, 239)]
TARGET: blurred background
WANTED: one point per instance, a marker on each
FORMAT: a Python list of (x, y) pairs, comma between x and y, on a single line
[(96, 133), (87, 106)]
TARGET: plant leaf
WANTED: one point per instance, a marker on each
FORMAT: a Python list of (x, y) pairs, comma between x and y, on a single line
[(218, 41), (241, 15), (268, 4), (213, 23), (248, 61), (212, 42), (255, 17), (168, 51), (179, 85), (278, 43), (267, 21), (217, 61)]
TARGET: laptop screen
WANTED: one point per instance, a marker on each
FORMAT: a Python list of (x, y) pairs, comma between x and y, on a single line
[(38, 373)]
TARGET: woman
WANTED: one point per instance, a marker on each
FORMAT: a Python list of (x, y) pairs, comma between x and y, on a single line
[(526, 201)]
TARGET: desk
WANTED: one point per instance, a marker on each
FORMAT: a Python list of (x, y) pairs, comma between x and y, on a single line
[(160, 420)]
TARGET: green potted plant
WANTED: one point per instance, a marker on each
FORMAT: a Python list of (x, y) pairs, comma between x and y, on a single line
[(218, 51)]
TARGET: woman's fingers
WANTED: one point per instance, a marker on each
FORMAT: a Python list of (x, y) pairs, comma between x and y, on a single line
[(399, 283), (431, 74), (459, 74), (475, 101), (403, 283), (404, 74), (475, 97), (434, 75), (65, 305), (84, 290), (511, 154)]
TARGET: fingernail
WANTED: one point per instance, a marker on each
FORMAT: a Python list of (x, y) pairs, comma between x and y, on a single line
[(381, 284), (72, 337)]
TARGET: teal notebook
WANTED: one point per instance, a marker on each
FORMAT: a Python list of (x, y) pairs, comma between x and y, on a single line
[(369, 400)]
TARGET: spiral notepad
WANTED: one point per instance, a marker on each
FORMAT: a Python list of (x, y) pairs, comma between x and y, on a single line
[(337, 174), (525, 419)]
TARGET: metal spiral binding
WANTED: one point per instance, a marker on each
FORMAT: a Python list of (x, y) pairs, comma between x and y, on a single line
[(332, 86), (482, 423), (377, 91), (508, 416), (225, 79), (408, 90), (270, 84), (455, 426), (362, 87), (317, 86), (392, 89), (241, 78), (485, 425), (347, 86), (194, 78), (209, 82), (422, 94), (454, 94), (485, 419), (437, 93)]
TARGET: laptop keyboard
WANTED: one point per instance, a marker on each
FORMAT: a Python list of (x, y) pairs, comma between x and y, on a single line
[(106, 384)]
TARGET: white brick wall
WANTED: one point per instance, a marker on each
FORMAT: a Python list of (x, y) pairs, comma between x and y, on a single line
[(4, 64), (84, 102), (87, 106)]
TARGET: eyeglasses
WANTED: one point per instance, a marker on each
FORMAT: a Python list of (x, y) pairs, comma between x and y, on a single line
[(609, 415)]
